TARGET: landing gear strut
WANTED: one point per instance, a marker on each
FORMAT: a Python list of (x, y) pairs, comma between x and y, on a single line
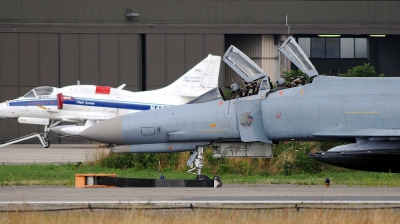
[(197, 159), (45, 142), (42, 136), (48, 127)]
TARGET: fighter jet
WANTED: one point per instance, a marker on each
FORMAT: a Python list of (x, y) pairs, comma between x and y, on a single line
[(86, 105), (364, 111)]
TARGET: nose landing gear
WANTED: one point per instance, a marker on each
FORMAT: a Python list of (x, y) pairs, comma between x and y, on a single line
[(197, 159)]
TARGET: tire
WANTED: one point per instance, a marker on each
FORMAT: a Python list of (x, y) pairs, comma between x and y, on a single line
[(202, 177), (47, 144)]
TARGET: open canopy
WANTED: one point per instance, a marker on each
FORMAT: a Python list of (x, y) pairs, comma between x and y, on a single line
[(242, 64), (296, 55)]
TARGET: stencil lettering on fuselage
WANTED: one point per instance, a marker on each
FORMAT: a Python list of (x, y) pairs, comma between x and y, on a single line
[(148, 131)]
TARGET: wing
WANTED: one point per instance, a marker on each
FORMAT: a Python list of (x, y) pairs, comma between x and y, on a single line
[(390, 134)]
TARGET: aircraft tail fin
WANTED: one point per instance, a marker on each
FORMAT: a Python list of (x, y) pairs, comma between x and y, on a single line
[(198, 80), (210, 79)]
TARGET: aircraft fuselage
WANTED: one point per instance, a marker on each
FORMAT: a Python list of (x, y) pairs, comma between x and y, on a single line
[(83, 106), (364, 111), (331, 108), (328, 108)]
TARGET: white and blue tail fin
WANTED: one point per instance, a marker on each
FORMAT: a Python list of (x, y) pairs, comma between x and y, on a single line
[(198, 80)]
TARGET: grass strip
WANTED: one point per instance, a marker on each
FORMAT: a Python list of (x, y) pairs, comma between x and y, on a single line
[(63, 175)]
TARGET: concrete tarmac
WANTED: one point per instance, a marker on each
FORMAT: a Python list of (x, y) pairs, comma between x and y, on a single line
[(237, 194), (55, 154)]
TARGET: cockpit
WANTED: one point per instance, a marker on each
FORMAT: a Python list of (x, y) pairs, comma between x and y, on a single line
[(254, 82), (41, 92)]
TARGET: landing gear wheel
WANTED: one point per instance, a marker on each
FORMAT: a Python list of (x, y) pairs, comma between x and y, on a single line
[(47, 144), (202, 177)]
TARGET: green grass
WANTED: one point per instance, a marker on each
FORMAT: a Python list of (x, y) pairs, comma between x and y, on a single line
[(348, 178), (63, 175)]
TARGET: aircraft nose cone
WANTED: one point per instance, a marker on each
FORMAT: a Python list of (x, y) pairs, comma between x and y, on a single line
[(2, 110), (108, 131)]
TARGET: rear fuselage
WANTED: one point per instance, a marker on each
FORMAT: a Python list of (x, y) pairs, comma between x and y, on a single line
[(332, 104)]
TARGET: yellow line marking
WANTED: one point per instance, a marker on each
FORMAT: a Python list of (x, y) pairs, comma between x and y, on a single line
[(44, 108)]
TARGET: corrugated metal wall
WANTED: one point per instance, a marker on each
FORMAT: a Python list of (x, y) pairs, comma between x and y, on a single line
[(103, 59), (201, 12), (169, 56), (269, 59), (28, 60)]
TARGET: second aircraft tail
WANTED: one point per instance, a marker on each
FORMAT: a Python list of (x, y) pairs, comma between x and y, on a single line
[(198, 80)]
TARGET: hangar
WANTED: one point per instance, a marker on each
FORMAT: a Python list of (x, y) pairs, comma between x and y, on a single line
[(147, 44)]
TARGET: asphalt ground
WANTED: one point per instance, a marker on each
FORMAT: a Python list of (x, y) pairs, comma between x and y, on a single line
[(233, 194), (55, 154)]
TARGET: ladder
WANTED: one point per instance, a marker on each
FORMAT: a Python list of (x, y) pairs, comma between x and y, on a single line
[(41, 138)]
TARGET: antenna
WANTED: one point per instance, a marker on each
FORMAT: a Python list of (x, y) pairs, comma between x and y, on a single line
[(288, 27)]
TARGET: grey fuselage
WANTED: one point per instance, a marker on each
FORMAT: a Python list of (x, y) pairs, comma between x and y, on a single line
[(332, 108), (329, 108)]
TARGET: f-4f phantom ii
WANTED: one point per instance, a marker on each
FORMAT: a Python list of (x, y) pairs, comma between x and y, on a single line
[(86, 105), (364, 111)]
